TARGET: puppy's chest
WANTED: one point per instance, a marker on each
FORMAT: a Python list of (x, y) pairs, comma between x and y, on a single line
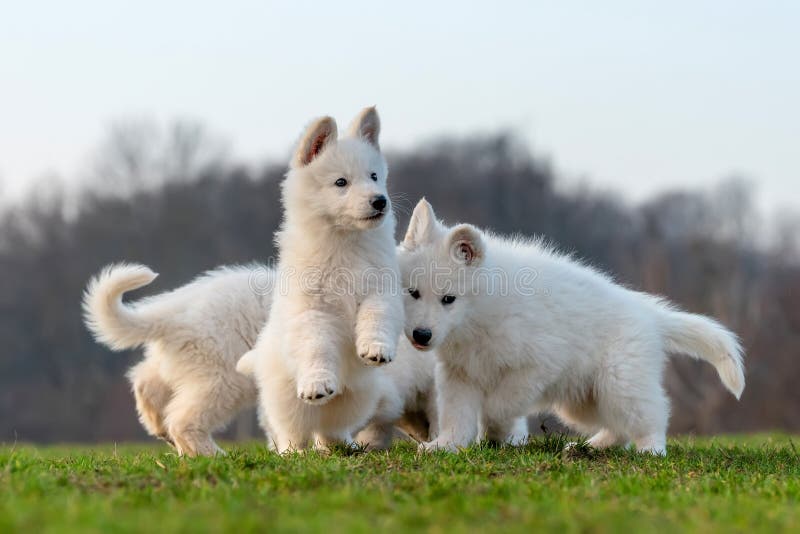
[(470, 360), (344, 284), (485, 360)]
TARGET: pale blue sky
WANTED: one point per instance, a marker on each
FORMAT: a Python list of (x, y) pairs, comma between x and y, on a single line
[(636, 96)]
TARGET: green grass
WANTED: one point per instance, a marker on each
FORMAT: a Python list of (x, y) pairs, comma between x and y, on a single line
[(721, 484)]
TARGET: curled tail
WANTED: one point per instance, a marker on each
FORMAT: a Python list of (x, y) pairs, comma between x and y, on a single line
[(705, 339), (111, 321)]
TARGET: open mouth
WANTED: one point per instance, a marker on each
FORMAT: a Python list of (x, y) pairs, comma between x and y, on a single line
[(419, 346)]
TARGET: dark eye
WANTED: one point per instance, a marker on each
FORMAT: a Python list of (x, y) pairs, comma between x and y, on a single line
[(448, 299), (341, 182), (374, 176), (414, 293)]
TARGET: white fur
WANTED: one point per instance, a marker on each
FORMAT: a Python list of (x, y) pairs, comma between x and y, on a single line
[(188, 386), (315, 361), (406, 400), (557, 336)]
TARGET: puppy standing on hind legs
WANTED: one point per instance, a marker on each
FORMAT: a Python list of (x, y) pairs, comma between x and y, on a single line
[(564, 338), (341, 316)]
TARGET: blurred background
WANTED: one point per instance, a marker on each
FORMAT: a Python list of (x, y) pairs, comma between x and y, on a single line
[(659, 141)]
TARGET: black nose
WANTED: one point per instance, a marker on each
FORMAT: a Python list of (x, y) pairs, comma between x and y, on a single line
[(422, 335), (379, 202)]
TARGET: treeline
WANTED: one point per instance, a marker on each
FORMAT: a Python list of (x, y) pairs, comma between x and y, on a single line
[(178, 206)]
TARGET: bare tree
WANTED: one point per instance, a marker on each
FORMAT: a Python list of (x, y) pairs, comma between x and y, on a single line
[(786, 241), (735, 215), (139, 154)]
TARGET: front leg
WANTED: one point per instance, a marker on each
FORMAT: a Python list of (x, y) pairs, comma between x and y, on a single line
[(378, 326), (312, 341), (458, 407)]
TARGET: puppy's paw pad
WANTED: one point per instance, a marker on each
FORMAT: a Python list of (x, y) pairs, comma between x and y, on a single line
[(376, 353), (318, 390)]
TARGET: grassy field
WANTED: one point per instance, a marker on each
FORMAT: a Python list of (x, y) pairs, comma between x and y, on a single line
[(721, 484)]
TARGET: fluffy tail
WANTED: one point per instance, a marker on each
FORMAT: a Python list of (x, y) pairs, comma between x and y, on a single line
[(111, 322), (705, 339)]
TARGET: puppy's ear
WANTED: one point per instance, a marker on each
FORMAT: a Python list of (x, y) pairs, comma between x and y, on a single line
[(421, 226), (318, 135), (367, 126), (465, 244)]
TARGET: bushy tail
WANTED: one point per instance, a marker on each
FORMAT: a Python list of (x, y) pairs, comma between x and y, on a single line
[(705, 339), (111, 322)]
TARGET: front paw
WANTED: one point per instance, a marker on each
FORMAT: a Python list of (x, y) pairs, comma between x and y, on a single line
[(376, 353), (318, 389)]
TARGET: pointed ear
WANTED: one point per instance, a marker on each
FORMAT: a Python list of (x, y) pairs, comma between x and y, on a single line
[(318, 135), (421, 226), (466, 245), (367, 126)]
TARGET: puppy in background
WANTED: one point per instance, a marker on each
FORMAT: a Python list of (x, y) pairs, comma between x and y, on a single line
[(186, 387)]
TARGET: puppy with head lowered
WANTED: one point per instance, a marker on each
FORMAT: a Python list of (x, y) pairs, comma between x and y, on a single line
[(520, 329), (338, 314)]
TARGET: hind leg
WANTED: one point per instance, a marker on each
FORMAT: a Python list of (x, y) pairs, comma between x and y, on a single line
[(282, 422), (376, 436), (632, 403), (378, 433), (283, 433), (655, 443), (649, 431), (325, 442), (191, 435), (647, 424), (152, 395), (284, 441), (193, 441), (582, 415), (585, 417), (198, 410)]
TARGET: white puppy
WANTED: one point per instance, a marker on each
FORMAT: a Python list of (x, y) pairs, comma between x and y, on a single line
[(339, 313), (187, 387), (521, 329)]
